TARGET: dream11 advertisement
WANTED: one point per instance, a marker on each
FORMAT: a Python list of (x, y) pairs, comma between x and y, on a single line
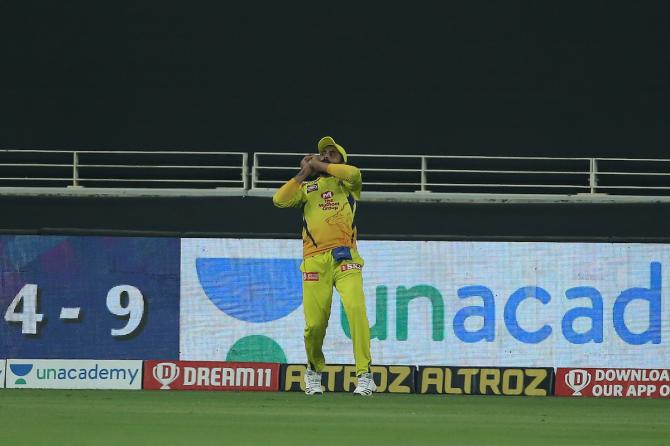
[(505, 304)]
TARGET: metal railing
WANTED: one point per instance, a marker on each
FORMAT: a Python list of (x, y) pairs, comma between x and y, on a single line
[(415, 173), (123, 172), (386, 178), (486, 178)]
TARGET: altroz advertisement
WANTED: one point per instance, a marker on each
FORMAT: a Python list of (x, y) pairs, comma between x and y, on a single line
[(529, 381), (342, 378)]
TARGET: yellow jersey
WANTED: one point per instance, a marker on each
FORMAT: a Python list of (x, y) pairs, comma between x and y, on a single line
[(328, 205)]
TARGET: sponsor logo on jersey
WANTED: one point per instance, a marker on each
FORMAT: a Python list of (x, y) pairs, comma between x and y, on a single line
[(312, 187), (310, 277), (348, 266), (329, 204)]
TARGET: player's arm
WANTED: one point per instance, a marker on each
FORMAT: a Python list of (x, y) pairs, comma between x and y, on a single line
[(350, 175), (291, 194)]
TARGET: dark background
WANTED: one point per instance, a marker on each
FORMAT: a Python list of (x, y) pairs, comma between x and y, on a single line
[(522, 78), (573, 78)]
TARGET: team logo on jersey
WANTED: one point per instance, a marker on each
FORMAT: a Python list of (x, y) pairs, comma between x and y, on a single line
[(310, 277), (348, 266), (327, 195), (312, 187)]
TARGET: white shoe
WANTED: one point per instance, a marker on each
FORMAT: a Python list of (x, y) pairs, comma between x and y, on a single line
[(313, 383), (366, 385)]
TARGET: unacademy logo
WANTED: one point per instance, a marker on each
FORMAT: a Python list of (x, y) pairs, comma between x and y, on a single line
[(20, 370), (252, 290), (87, 373)]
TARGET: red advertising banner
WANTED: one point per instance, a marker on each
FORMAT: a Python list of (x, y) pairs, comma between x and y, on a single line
[(211, 375), (617, 383)]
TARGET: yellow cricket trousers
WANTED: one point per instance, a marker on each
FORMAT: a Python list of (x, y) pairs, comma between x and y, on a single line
[(320, 273)]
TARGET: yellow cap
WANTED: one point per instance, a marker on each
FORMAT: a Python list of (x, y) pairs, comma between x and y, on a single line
[(328, 141)]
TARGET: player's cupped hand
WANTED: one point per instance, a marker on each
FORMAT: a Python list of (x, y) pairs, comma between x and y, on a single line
[(304, 164)]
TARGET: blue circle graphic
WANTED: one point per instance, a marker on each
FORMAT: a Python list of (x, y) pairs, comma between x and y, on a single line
[(252, 290)]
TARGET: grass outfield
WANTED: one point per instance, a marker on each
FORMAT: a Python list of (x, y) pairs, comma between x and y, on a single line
[(101, 417)]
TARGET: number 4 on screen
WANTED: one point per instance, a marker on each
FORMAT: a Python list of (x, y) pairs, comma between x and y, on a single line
[(28, 316)]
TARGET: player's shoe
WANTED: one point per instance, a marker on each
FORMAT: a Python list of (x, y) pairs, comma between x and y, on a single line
[(313, 383), (366, 385)]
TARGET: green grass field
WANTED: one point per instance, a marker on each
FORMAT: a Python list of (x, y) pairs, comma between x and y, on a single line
[(63, 417)]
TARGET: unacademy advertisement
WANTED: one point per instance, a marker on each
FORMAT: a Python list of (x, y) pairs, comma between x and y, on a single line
[(465, 303)]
